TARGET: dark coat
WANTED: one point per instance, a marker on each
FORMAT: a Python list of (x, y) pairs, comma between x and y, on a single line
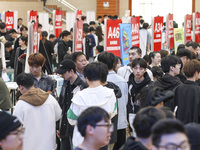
[(187, 98), (62, 49), (131, 144)]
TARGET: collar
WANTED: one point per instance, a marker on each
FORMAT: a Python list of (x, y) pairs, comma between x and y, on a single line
[(111, 72)]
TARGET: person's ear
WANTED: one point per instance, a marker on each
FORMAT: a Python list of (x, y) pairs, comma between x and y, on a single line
[(171, 68), (20, 87), (89, 130)]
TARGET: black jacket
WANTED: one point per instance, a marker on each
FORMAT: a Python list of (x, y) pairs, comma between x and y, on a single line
[(187, 98), (182, 77), (131, 144), (62, 49), (65, 101), (7, 36)]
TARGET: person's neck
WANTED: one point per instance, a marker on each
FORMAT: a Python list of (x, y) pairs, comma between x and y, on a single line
[(94, 84), (73, 78), (27, 90), (111, 70), (23, 47), (139, 80), (145, 141), (38, 76), (89, 144), (79, 71), (153, 64), (171, 73), (191, 79)]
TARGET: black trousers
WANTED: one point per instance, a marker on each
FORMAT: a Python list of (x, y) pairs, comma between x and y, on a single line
[(66, 143), (121, 139)]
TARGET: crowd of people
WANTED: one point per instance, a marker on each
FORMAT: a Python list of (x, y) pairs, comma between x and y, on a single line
[(151, 103)]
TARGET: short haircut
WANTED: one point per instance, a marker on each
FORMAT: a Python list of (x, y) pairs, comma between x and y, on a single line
[(36, 59), (91, 29), (145, 26), (139, 51), (168, 112), (99, 17), (51, 36), (75, 55), (12, 31), (100, 48), (141, 21), (139, 61), (180, 46), (86, 30), (25, 80), (39, 25), (24, 39), (152, 55), (91, 116), (19, 19), (65, 33), (83, 17), (93, 71), (163, 53), (191, 67), (145, 119), (191, 43), (107, 58), (157, 71), (8, 44), (92, 23), (104, 73), (105, 16), (184, 52), (44, 33), (2, 25), (23, 28), (165, 127), (169, 61)]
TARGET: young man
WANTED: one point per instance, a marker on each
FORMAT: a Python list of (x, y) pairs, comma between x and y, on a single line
[(36, 62), (194, 48), (72, 84), (125, 71), (94, 125), (20, 24), (169, 134), (38, 111), (4, 32), (63, 46), (143, 122), (108, 59), (9, 55), (99, 49), (171, 67), (80, 60), (187, 95), (11, 137), (94, 95), (137, 80)]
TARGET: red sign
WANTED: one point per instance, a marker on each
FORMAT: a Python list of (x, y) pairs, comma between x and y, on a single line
[(197, 27), (170, 31), (135, 31), (79, 35), (188, 28), (9, 20), (58, 22), (113, 37), (35, 37), (79, 14), (157, 33), (33, 16)]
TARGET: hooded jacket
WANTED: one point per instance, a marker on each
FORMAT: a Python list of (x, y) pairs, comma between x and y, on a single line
[(62, 49), (131, 144), (38, 111)]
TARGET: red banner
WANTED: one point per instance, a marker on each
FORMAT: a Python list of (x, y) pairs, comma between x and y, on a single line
[(35, 37), (9, 19), (33, 16), (79, 36), (170, 31), (197, 27), (135, 31), (113, 37), (58, 22), (79, 14), (188, 28), (157, 33)]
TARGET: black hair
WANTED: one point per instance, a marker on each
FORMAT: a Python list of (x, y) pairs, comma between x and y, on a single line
[(85, 25), (104, 72), (169, 61), (2, 25), (157, 72), (91, 29), (86, 30), (92, 23), (93, 71), (51, 36), (165, 127), (141, 21), (39, 25), (168, 112), (23, 27), (145, 26), (115, 17), (180, 46), (91, 116), (139, 51), (105, 16), (8, 44), (152, 55), (99, 33), (50, 20), (25, 79), (100, 48), (145, 119), (19, 19), (146, 57), (68, 56), (99, 17), (12, 31), (83, 17), (107, 58), (117, 58), (65, 33), (75, 55), (24, 39), (44, 34), (139, 61), (191, 43), (184, 52), (71, 30)]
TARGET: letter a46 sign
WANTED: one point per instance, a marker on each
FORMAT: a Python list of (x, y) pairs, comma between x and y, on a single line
[(112, 41), (57, 22), (135, 30), (9, 19), (157, 33)]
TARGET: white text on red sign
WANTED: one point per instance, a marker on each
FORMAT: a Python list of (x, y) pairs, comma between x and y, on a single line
[(158, 27), (135, 28), (9, 20), (113, 33), (58, 18)]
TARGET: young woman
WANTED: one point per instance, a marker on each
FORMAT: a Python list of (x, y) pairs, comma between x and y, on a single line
[(117, 63), (154, 59), (20, 57), (100, 36)]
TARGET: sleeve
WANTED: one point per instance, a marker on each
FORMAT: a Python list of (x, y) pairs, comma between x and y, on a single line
[(18, 112), (58, 110), (93, 44), (3, 55), (61, 52), (113, 105)]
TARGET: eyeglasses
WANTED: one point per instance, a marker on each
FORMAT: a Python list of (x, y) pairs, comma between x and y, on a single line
[(171, 146), (109, 126), (19, 133)]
